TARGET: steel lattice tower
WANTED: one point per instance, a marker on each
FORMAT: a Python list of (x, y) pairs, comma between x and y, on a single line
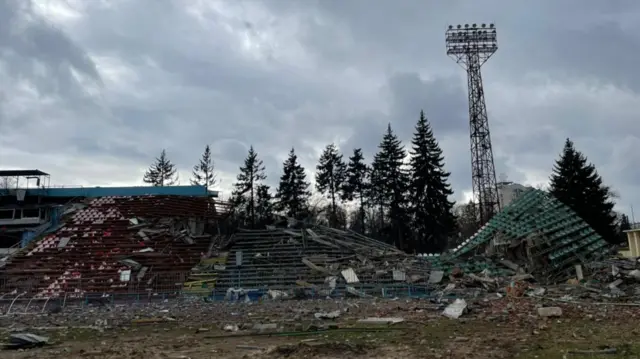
[(471, 46)]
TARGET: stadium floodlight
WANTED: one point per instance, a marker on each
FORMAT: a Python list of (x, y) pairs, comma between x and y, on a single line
[(471, 42), (471, 46)]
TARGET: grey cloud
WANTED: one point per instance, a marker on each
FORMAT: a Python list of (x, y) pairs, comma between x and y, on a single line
[(33, 49), (443, 99), (89, 147), (325, 71), (570, 38), (603, 51)]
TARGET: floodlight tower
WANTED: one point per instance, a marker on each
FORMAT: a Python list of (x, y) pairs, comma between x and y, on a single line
[(471, 46)]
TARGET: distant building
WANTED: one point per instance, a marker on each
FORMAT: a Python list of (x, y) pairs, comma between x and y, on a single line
[(633, 239), (509, 191)]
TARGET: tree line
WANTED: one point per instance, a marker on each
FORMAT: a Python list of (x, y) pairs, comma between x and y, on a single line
[(402, 200)]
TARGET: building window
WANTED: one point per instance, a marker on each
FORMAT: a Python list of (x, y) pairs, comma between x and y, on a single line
[(6, 214), (31, 213)]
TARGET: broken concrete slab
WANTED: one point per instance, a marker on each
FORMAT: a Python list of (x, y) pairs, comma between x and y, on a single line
[(455, 309), (382, 321), (550, 312), (328, 315), (436, 276)]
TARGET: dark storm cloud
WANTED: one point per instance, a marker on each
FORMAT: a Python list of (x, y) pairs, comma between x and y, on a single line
[(35, 50), (443, 99), (118, 83)]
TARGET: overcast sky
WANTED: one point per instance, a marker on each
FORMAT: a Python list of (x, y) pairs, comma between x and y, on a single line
[(92, 90)]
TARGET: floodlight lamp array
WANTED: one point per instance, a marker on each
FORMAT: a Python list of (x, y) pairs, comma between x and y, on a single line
[(473, 26), (469, 39)]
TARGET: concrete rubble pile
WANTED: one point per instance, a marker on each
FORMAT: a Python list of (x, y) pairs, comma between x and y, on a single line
[(159, 244), (612, 279), (536, 234), (115, 245), (536, 237), (315, 261)]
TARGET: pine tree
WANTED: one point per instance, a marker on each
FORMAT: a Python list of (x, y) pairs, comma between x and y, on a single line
[(432, 216), (467, 219), (576, 183), (251, 175), (376, 196), (356, 184), (264, 206), (238, 212), (292, 194), (623, 225), (330, 177), (203, 174), (390, 181), (162, 172)]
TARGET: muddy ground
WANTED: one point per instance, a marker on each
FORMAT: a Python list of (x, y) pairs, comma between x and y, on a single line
[(499, 330)]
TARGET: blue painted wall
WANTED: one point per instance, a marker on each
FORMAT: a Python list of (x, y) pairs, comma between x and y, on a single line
[(54, 215), (27, 236), (121, 191), (54, 221)]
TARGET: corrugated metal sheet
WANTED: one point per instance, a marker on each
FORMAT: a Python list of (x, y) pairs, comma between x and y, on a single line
[(350, 276), (399, 275), (63, 242)]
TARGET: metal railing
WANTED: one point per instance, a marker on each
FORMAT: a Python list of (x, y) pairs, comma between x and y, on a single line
[(22, 303), (10, 252)]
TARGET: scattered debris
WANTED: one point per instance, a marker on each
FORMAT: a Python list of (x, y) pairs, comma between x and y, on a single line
[(249, 347), (593, 352), (550, 312), (388, 321), (328, 315), (26, 341), (455, 309), (230, 328)]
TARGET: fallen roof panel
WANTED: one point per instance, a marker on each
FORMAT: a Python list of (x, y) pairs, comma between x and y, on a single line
[(555, 237)]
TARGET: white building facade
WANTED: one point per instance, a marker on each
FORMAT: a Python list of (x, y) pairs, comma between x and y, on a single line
[(509, 191)]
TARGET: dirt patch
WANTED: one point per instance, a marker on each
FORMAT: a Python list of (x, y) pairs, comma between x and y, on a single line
[(512, 330), (314, 350)]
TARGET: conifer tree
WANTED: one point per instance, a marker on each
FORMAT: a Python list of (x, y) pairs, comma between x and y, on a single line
[(251, 175), (390, 182), (376, 197), (238, 212), (293, 193), (468, 222), (356, 184), (264, 206), (162, 172), (330, 177), (203, 174), (576, 183), (432, 216), (623, 225)]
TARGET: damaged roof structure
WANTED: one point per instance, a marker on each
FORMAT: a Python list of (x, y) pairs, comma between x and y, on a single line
[(544, 236), (321, 259), (117, 244), (160, 244), (536, 235)]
